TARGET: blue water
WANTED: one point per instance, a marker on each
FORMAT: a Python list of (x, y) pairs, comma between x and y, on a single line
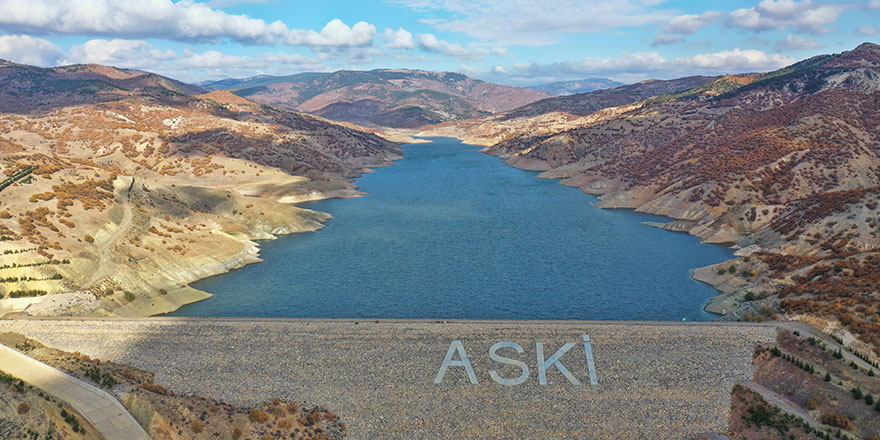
[(450, 232)]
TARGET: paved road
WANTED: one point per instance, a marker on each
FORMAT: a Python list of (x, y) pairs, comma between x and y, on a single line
[(101, 409), (655, 380), (807, 330), (784, 404)]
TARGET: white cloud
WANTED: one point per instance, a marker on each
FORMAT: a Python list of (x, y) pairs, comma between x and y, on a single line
[(797, 42), (430, 43), (335, 34), (665, 39), (184, 20), (25, 49), (529, 22), (118, 53), (399, 39), (690, 24), (866, 31), (643, 65), (804, 16), (188, 66)]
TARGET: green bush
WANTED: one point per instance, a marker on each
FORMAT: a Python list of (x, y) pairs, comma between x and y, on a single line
[(857, 393)]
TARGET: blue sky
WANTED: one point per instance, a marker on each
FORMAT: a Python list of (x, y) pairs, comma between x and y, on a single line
[(516, 42)]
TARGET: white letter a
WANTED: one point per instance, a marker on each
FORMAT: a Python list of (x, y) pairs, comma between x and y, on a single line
[(456, 346)]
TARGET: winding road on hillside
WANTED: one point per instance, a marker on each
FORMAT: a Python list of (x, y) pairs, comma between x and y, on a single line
[(101, 409), (106, 249)]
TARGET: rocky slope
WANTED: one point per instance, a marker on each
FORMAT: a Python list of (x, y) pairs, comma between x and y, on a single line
[(386, 97), (784, 165), (143, 187), (557, 114)]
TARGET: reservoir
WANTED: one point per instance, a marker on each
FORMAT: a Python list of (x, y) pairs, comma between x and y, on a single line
[(452, 233)]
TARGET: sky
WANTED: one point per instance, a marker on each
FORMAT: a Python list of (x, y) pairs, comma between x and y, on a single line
[(515, 42)]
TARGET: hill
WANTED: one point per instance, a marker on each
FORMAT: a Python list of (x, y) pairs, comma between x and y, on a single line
[(397, 98), (126, 186), (562, 112), (784, 165), (577, 86), (26, 88)]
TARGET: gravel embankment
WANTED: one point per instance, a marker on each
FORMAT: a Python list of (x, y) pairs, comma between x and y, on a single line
[(655, 380)]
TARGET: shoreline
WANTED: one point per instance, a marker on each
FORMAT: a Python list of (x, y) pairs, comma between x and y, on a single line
[(712, 304), (173, 300), (704, 307)]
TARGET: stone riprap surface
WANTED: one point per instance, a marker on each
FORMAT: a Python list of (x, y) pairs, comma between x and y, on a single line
[(655, 380)]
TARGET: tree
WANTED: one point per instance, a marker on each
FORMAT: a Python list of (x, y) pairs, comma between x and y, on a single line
[(869, 399), (827, 377), (857, 393)]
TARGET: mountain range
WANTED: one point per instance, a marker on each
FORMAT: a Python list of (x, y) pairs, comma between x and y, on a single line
[(577, 86), (398, 98)]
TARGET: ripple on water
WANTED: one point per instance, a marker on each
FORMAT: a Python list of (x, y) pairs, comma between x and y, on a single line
[(450, 232)]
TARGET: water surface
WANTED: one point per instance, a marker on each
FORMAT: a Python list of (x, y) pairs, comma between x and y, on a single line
[(450, 232)]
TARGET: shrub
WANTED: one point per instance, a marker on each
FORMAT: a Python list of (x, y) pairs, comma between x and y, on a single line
[(89, 239), (236, 433), (23, 408), (197, 427), (257, 416), (869, 399), (749, 296), (827, 377), (129, 296), (836, 420), (732, 269)]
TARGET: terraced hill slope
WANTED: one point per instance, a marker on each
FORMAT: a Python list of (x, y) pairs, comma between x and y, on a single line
[(143, 185)]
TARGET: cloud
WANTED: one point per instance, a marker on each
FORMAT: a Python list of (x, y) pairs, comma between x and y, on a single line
[(184, 20), (188, 66), (430, 43), (643, 65), (25, 49), (527, 22), (335, 34), (866, 31), (797, 42), (665, 39), (690, 24), (118, 53), (805, 16), (399, 39)]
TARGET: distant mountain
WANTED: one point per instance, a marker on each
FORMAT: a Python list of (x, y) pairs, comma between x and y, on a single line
[(582, 104), (384, 97), (577, 86), (561, 112), (28, 87)]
